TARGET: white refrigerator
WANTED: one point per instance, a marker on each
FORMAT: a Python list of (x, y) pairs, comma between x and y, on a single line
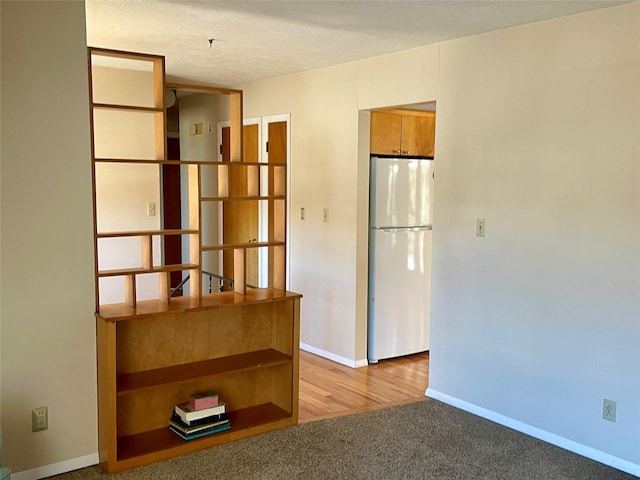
[(400, 228)]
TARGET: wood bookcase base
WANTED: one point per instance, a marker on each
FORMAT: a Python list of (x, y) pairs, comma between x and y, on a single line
[(150, 359)]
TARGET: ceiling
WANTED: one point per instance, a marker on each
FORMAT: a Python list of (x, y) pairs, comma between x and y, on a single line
[(255, 40)]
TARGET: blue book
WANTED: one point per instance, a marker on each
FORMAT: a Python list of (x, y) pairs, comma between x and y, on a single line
[(201, 433)]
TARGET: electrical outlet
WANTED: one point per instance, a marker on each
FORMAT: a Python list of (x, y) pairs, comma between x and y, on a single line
[(39, 419), (609, 410), (303, 213)]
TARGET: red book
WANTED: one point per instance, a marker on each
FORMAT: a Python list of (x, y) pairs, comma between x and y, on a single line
[(200, 400)]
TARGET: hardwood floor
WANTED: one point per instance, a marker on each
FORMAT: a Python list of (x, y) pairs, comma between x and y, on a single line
[(329, 389)]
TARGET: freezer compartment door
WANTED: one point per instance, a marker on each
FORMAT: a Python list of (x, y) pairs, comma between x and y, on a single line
[(399, 293), (401, 192)]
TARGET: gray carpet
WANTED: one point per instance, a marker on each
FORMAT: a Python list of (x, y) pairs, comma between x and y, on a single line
[(423, 440)]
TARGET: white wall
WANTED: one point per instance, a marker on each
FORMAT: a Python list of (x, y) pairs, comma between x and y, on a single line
[(48, 335), (537, 131)]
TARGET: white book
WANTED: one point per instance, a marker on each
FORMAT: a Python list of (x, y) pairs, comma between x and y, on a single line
[(188, 414)]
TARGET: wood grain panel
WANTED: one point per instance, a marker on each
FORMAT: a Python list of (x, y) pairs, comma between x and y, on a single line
[(278, 142), (107, 432), (168, 339), (385, 133), (280, 387), (283, 327), (418, 135), (425, 141)]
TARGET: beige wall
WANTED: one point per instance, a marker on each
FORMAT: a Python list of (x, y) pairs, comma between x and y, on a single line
[(537, 124), (48, 335), (537, 132), (329, 169)]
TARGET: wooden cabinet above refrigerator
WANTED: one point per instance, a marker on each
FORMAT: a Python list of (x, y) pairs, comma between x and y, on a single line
[(403, 133)]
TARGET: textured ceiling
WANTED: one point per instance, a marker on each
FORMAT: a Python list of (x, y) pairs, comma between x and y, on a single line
[(255, 40)]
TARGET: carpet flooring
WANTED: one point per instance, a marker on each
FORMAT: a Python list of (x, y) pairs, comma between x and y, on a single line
[(422, 440)]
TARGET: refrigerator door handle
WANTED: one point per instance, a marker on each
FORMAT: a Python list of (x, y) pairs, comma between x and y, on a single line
[(404, 229)]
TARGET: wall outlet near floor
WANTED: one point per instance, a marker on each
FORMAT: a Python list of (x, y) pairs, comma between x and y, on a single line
[(39, 419), (609, 410)]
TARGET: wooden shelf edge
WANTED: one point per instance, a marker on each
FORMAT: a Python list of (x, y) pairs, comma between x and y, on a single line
[(144, 233), (122, 312), (142, 271), (141, 381), (218, 163), (154, 161), (149, 447), (242, 199), (135, 108), (202, 88), (108, 52), (232, 246), (212, 163)]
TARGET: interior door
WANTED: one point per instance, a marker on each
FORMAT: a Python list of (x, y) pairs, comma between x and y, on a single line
[(277, 152), (240, 218)]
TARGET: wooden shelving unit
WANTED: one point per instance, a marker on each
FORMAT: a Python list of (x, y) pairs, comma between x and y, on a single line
[(153, 353)]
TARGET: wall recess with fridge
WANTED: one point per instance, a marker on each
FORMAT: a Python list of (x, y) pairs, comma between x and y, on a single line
[(401, 177)]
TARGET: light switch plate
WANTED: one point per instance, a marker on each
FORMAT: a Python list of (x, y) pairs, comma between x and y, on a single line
[(481, 227)]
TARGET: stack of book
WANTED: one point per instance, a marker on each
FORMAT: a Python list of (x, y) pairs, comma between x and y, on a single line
[(202, 415)]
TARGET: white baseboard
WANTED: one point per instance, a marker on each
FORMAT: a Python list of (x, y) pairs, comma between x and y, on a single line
[(332, 356), (540, 434), (57, 468)]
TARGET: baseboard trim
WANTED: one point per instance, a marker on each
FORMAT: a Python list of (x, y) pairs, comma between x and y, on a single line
[(57, 468), (332, 356), (558, 441)]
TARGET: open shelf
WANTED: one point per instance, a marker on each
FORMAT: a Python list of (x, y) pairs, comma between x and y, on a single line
[(242, 421), (232, 364)]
